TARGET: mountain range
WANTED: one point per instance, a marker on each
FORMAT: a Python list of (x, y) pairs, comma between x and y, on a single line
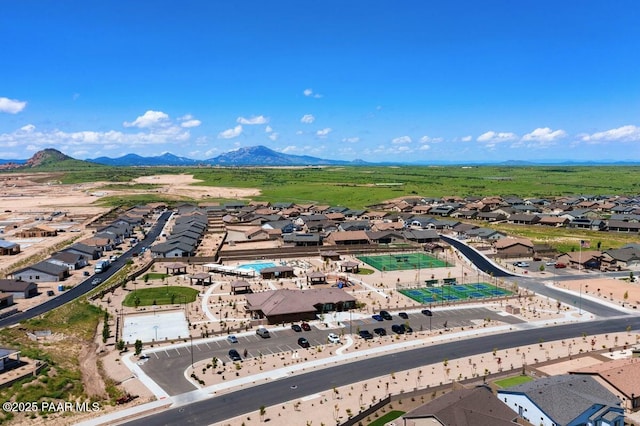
[(250, 156)]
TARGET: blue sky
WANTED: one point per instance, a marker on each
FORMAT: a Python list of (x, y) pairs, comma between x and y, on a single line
[(400, 81)]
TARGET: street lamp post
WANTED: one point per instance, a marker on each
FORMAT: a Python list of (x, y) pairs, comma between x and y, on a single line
[(191, 336)]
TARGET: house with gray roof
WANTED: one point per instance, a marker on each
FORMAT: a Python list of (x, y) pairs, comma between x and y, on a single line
[(19, 289), (73, 261), (41, 272), (178, 248), (92, 253), (565, 400), (300, 239), (8, 248)]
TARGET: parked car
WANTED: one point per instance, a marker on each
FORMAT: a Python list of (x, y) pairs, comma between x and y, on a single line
[(50, 293), (524, 265), (366, 334), (550, 263), (234, 355), (427, 312), (407, 329), (333, 338), (386, 315), (380, 331), (303, 342), (397, 328), (296, 328), (263, 332), (232, 339), (559, 265), (403, 315), (305, 326), (377, 317)]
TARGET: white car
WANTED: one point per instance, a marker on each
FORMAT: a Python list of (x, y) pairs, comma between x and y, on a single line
[(551, 263), (333, 338)]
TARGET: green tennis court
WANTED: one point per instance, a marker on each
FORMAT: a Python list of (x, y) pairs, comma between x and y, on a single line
[(454, 293), (403, 261)]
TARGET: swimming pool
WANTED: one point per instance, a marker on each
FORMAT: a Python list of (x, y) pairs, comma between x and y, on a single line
[(256, 266)]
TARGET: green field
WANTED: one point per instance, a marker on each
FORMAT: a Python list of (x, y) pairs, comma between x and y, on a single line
[(513, 381), (360, 186), (403, 261), (166, 295), (391, 415)]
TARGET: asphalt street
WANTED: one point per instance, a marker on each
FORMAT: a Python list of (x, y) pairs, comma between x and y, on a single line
[(233, 404)]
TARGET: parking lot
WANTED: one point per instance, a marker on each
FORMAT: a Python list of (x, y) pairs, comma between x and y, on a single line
[(166, 366)]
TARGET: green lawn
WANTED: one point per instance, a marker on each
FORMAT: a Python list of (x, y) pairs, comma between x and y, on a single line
[(391, 415), (512, 381), (160, 296)]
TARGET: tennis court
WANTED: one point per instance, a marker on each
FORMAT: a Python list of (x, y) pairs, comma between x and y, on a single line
[(403, 261), (453, 293)]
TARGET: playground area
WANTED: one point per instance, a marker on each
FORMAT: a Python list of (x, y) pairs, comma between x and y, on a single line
[(403, 261), (454, 292)]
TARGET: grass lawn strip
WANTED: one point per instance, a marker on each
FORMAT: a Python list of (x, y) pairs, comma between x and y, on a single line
[(165, 295)]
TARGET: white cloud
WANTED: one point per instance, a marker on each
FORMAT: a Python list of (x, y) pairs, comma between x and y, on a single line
[(429, 139), (307, 119), (191, 123), (627, 133), (544, 134), (230, 133), (309, 93), (401, 140), (11, 106), (299, 132), (268, 129), (259, 119), (424, 147), (290, 148), (35, 140), (273, 136), (188, 121), (466, 138), (495, 137), (149, 119), (323, 132), (351, 140)]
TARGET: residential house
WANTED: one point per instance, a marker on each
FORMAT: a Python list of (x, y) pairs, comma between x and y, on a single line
[(513, 247), (622, 258), (41, 272), (19, 289), (73, 261), (492, 216), (581, 259), (524, 219), (463, 407), (621, 377), (39, 231), (348, 238), (92, 253), (8, 248), (564, 400), (299, 239), (556, 221)]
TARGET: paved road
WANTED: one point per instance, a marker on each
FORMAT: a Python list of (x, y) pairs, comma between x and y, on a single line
[(85, 286), (243, 401)]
